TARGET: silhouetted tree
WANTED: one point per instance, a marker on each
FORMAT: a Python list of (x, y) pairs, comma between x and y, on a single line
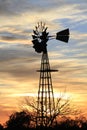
[(62, 107), (1, 127), (77, 123), (18, 120), (29, 105), (21, 120)]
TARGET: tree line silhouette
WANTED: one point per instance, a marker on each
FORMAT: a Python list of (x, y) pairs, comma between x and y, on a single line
[(24, 120)]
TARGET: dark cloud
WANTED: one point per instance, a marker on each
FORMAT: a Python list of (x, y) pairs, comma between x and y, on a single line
[(6, 7), (8, 38), (18, 62), (13, 38), (16, 7), (23, 73), (14, 33), (17, 52), (4, 10)]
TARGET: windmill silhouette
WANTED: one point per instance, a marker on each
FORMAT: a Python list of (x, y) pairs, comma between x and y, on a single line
[(45, 101)]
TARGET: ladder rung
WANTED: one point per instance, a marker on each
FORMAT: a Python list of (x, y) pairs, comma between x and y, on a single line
[(45, 77), (46, 84), (45, 91)]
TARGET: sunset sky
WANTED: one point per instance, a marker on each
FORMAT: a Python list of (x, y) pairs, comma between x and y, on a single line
[(19, 61)]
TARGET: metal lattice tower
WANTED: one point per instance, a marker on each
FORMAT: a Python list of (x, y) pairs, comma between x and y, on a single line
[(45, 102)]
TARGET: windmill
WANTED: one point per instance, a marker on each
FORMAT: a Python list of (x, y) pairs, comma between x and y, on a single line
[(45, 101)]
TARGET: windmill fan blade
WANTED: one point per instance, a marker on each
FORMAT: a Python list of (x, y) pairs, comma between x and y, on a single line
[(63, 35), (35, 32), (34, 37)]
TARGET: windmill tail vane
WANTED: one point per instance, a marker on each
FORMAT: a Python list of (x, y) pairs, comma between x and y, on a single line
[(45, 100), (63, 35)]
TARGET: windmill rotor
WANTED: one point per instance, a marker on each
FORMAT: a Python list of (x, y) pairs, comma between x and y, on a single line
[(41, 36)]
